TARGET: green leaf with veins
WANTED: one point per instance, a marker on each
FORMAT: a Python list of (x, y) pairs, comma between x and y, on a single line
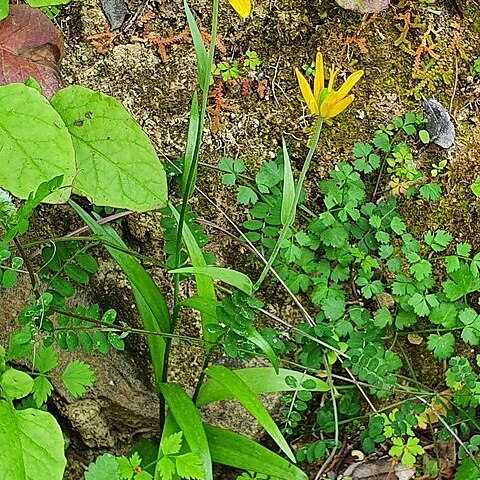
[(45, 359), (462, 282), (189, 466), (442, 345), (109, 144), (42, 389), (77, 377), (36, 145)]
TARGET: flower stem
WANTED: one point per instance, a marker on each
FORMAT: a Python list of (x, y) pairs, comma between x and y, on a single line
[(291, 217)]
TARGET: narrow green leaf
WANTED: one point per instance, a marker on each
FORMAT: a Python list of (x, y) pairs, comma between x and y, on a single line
[(242, 392), (260, 380), (238, 451), (190, 149), (256, 338), (151, 304), (46, 3), (205, 286), (111, 147), (232, 277), (288, 194), (200, 50), (188, 419)]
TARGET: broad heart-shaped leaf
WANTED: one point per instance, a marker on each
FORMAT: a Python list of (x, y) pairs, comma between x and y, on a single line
[(243, 393), (32, 445), (229, 448), (116, 164), (35, 145), (189, 421), (262, 380), (30, 46)]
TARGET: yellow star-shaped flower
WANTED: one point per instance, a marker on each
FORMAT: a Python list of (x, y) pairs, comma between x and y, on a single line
[(326, 102)]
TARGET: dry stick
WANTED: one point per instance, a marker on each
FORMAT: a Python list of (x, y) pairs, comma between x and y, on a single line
[(454, 85), (28, 266), (101, 221)]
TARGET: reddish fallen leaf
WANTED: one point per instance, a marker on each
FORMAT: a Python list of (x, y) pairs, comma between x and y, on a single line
[(262, 87), (246, 85), (30, 46)]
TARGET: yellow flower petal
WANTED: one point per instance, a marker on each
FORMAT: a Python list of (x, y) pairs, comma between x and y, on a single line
[(350, 82), (319, 76), (332, 76), (242, 7), (307, 92), (332, 106)]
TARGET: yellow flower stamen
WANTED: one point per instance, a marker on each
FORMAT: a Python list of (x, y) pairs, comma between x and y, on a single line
[(326, 102), (242, 7), (332, 75)]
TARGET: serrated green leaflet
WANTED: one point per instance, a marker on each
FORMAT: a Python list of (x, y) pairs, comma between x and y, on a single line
[(32, 445), (116, 163), (35, 144)]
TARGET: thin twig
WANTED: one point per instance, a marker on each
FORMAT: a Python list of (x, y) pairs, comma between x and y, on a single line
[(101, 221), (335, 417), (28, 266), (454, 85)]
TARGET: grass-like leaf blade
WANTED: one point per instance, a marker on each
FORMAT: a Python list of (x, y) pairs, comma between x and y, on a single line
[(232, 277), (151, 304), (260, 380), (190, 423), (242, 392), (235, 450)]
